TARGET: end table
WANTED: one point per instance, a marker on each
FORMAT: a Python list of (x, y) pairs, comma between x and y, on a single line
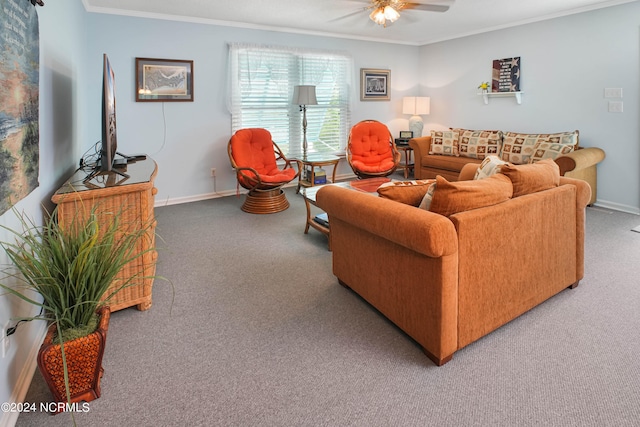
[(310, 163), (406, 165)]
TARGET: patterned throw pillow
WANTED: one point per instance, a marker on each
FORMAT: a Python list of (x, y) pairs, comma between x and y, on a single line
[(407, 192), (565, 138), (489, 166), (549, 150), (477, 144), (444, 143), (518, 148), (426, 200)]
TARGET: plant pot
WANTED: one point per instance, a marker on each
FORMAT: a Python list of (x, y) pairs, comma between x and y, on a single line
[(84, 362)]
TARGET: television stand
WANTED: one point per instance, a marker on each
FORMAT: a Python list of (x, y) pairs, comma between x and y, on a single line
[(134, 203)]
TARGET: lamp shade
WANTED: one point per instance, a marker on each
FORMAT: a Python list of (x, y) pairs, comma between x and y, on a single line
[(416, 105), (304, 95)]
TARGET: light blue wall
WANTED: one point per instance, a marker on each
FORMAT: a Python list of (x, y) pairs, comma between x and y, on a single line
[(197, 133), (566, 64), (61, 67)]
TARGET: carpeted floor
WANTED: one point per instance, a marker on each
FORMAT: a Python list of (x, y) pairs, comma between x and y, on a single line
[(261, 334)]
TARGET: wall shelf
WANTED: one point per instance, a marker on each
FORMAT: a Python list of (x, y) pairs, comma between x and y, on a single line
[(486, 96)]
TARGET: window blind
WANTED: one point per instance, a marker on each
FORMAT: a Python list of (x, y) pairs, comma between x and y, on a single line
[(262, 79)]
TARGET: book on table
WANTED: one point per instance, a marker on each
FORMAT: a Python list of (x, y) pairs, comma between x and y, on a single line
[(322, 219)]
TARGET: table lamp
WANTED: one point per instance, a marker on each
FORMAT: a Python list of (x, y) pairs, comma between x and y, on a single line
[(416, 106), (304, 95)]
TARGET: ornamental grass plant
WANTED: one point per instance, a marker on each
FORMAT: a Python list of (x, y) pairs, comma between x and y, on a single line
[(71, 268)]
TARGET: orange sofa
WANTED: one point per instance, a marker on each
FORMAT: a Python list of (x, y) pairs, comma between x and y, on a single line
[(449, 280), (579, 163)]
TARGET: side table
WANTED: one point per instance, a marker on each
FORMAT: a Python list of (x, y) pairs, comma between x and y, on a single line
[(406, 165), (309, 164)]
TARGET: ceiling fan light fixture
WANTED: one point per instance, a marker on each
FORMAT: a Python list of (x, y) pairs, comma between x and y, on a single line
[(391, 14), (377, 16)]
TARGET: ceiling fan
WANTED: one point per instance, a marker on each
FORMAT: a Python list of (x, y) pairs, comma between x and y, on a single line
[(389, 10)]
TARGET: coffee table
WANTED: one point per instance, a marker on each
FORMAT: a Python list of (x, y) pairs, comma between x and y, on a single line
[(309, 195)]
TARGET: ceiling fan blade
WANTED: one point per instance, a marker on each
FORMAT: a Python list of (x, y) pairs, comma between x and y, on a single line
[(427, 7), (348, 15)]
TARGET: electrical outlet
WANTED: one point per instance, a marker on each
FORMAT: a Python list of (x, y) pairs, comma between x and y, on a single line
[(5, 340), (213, 171)]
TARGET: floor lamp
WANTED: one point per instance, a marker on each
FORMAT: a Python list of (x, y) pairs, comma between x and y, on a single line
[(303, 96)]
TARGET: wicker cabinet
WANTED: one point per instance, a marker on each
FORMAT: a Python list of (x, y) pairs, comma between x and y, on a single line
[(131, 196)]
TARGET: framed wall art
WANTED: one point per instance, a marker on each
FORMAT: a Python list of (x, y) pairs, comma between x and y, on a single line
[(374, 84), (505, 75), (164, 80)]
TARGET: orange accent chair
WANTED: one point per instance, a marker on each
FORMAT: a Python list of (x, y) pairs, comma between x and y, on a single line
[(371, 151), (253, 155)]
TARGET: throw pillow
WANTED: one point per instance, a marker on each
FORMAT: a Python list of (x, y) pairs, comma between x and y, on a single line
[(452, 197), (444, 143), (407, 192), (518, 148), (532, 178), (477, 144), (549, 150), (489, 166), (564, 138), (426, 200)]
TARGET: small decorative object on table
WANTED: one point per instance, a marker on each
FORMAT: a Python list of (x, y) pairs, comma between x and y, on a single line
[(405, 136)]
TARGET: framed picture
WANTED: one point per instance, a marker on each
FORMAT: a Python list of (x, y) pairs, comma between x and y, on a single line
[(406, 134), (374, 84), (164, 80)]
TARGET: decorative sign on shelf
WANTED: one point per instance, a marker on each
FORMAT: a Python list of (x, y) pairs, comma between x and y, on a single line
[(505, 75)]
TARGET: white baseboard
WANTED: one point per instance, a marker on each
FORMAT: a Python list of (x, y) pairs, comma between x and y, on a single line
[(196, 198), (207, 196), (23, 383), (617, 207)]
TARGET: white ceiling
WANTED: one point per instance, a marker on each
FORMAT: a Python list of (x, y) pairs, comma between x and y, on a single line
[(348, 18)]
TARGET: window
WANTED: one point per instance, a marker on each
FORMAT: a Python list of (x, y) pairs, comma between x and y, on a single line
[(262, 79)]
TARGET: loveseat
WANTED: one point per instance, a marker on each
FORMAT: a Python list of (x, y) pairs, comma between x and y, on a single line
[(446, 152), (486, 252)]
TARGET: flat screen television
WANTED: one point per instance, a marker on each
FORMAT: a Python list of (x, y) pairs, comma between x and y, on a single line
[(109, 144), (106, 163)]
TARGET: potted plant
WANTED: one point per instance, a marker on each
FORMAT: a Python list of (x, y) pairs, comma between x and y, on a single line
[(72, 269)]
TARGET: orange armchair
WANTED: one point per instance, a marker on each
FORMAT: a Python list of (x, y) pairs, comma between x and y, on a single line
[(371, 151), (253, 155)]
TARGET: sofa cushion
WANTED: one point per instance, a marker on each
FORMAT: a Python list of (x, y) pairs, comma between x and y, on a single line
[(449, 163), (489, 166), (407, 192), (549, 150), (452, 197), (532, 178), (477, 144), (444, 143)]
